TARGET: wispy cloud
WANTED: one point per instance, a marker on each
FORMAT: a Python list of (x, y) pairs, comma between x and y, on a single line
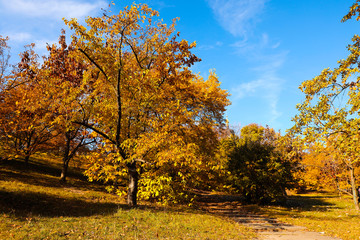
[(159, 4), (19, 36), (266, 86), (237, 16), (40, 21), (210, 46), (54, 9), (256, 47)]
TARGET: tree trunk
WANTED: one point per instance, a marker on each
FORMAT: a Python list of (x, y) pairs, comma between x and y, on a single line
[(133, 185), (26, 159), (66, 157), (64, 170), (353, 187)]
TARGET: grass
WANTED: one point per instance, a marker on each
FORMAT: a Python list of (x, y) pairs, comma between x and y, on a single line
[(320, 212), (34, 204)]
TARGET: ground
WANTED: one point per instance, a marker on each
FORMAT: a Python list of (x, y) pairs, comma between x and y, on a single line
[(267, 228)]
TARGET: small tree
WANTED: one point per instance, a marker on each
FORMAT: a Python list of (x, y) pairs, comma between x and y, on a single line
[(259, 169), (22, 126), (4, 61)]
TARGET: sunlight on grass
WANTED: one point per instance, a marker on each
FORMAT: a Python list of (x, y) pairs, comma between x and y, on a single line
[(321, 213), (35, 205), (125, 224)]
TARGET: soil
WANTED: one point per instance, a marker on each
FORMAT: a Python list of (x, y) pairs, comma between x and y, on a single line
[(267, 228)]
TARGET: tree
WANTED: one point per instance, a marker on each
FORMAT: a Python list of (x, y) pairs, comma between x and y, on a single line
[(4, 60), (4, 63), (323, 170), (143, 101), (61, 87), (22, 126), (331, 107), (260, 170)]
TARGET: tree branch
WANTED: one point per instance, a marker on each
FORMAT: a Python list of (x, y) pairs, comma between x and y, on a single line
[(104, 135), (143, 161), (93, 61), (135, 54), (118, 92)]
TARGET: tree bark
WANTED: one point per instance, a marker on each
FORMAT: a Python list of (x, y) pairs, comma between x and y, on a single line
[(64, 170), (66, 157), (133, 185), (26, 159), (353, 187)]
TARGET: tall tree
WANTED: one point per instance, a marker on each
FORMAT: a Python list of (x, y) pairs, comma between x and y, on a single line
[(332, 106), (143, 100)]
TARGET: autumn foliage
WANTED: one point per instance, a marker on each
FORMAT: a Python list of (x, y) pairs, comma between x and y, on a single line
[(329, 116), (123, 89), (258, 164), (120, 93)]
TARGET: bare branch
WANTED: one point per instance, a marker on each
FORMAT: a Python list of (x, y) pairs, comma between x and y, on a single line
[(143, 161)]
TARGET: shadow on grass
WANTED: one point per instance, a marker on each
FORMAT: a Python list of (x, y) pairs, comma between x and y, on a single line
[(32, 203), (298, 203), (42, 175), (24, 204), (48, 169), (308, 203)]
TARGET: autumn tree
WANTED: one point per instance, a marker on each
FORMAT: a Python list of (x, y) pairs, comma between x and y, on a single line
[(4, 62), (331, 107), (323, 170), (23, 129), (259, 169), (61, 89), (153, 114)]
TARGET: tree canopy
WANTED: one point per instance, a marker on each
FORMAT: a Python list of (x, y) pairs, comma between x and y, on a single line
[(259, 166), (150, 110), (330, 111)]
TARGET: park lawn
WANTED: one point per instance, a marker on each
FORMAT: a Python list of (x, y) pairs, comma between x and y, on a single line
[(35, 205), (321, 212)]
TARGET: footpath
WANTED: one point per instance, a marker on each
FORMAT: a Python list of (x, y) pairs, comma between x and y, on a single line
[(267, 228)]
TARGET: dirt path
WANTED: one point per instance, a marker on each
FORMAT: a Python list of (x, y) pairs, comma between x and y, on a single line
[(267, 228)]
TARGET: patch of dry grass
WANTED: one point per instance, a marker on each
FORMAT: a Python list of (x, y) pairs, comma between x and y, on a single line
[(35, 205), (320, 212)]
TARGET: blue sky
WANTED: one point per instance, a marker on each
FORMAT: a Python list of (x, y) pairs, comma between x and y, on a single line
[(261, 49)]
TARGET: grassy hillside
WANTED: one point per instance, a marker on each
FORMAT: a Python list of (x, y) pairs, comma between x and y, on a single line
[(35, 205)]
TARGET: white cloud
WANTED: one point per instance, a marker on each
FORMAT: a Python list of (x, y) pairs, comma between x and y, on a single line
[(210, 46), (256, 47), (266, 87), (19, 36), (54, 9), (237, 16), (41, 44)]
